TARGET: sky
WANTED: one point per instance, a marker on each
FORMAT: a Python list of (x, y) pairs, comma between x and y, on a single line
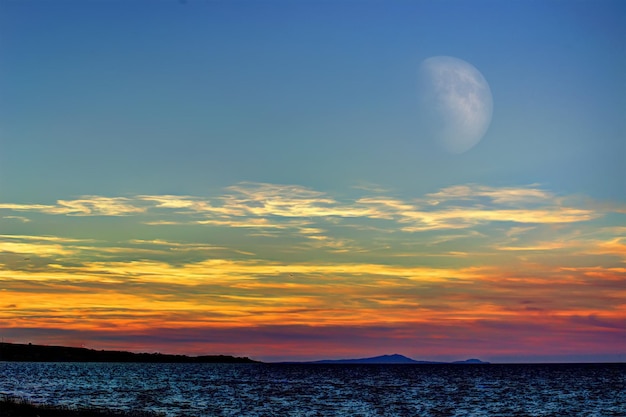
[(252, 178)]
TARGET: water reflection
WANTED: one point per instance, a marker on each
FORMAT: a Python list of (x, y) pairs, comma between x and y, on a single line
[(324, 390)]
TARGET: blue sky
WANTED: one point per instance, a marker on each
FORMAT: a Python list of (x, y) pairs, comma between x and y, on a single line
[(268, 91), (243, 105)]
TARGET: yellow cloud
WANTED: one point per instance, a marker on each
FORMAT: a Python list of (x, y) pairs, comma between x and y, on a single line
[(85, 206), (499, 195), (230, 292), (98, 206), (614, 246), (260, 205), (45, 238), (35, 249)]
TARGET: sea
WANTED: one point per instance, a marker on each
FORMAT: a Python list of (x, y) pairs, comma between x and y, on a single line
[(204, 390)]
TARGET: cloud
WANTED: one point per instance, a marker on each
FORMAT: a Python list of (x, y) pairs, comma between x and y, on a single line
[(273, 220), (498, 195), (27, 207), (19, 218), (252, 223), (181, 246), (593, 320), (286, 201), (35, 248), (614, 246), (45, 238), (98, 206), (467, 217), (85, 206), (539, 246), (60, 247), (261, 205)]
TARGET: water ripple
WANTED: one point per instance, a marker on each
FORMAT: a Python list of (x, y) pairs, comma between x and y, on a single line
[(212, 390)]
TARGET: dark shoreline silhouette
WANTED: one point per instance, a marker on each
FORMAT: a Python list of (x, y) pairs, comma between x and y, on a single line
[(14, 352)]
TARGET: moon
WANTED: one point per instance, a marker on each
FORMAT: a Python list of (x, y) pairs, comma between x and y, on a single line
[(455, 103)]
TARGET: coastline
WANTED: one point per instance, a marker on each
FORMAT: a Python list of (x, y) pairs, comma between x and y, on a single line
[(17, 352)]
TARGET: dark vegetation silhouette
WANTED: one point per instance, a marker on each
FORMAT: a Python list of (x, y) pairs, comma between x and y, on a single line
[(15, 352)]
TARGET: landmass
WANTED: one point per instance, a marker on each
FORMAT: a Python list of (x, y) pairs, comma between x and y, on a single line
[(15, 352), (394, 359)]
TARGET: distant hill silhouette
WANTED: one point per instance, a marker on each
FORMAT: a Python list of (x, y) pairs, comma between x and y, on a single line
[(39, 353), (471, 361), (391, 359)]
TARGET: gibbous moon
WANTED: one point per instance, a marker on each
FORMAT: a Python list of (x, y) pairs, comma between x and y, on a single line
[(455, 103)]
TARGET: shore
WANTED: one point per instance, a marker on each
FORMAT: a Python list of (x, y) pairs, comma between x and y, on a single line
[(18, 407), (16, 352)]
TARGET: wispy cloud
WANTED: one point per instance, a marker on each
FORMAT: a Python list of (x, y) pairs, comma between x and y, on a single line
[(18, 218), (497, 195), (270, 206), (44, 238), (85, 206)]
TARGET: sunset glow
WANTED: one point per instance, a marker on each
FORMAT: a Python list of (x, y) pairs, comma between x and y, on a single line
[(433, 279)]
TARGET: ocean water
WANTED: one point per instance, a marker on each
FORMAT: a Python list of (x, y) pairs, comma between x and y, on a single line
[(325, 390)]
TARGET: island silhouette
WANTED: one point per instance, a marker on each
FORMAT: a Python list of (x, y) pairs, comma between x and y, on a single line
[(391, 359)]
